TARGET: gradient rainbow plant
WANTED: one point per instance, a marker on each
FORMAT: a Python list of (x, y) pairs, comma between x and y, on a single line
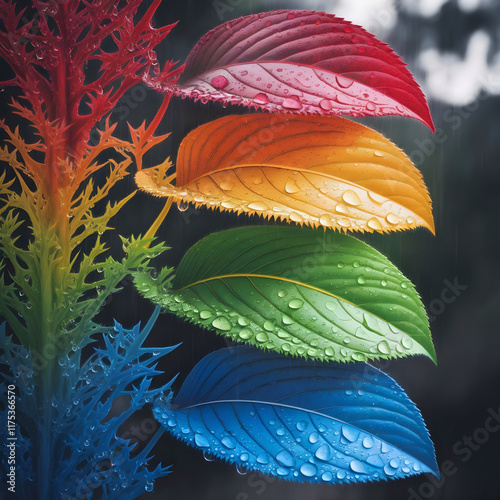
[(308, 304)]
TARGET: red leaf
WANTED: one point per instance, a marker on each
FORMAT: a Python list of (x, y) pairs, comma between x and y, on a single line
[(303, 62)]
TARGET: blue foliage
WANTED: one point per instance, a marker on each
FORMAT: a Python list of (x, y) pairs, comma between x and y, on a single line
[(90, 459), (298, 419)]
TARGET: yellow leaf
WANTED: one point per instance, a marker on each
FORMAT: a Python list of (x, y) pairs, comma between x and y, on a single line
[(317, 171)]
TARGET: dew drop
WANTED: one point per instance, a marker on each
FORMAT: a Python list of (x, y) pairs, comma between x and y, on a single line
[(291, 186), (340, 265), (292, 102), (341, 474), (343, 82), (376, 198), (257, 180), (329, 351), (205, 314), (295, 304), (301, 425), (286, 347), (244, 457), (245, 333), (375, 224), (261, 98), (295, 217), (341, 208), (263, 458), (286, 320), (407, 343), (229, 442), (314, 437), (351, 198), (368, 442), (325, 104), (344, 222), (327, 477), (358, 356), (269, 326), (201, 441), (392, 219), (241, 470), (370, 106), (242, 321), (262, 337), (221, 323), (282, 472), (171, 422), (349, 433), (357, 466), (324, 452), (285, 458), (258, 205), (219, 82), (383, 283), (326, 220), (281, 293), (308, 470), (384, 347), (389, 470), (361, 279)]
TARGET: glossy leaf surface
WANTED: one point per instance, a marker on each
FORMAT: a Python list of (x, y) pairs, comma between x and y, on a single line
[(301, 62), (299, 420), (292, 290), (318, 171)]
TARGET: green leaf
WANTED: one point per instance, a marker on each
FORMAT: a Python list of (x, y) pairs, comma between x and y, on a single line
[(294, 290)]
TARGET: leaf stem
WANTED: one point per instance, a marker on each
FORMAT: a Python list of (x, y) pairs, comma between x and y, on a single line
[(157, 223)]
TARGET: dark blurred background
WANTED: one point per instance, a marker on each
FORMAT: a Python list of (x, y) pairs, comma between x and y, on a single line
[(453, 49)]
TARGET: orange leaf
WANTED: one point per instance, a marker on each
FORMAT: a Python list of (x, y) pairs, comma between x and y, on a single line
[(318, 171)]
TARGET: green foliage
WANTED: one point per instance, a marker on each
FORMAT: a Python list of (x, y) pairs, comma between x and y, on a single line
[(294, 290)]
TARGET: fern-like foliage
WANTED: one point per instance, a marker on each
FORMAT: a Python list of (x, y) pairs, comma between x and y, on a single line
[(89, 456)]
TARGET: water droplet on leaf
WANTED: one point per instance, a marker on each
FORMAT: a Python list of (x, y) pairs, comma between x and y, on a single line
[(285, 458), (351, 198), (295, 304), (221, 323), (201, 441), (219, 82)]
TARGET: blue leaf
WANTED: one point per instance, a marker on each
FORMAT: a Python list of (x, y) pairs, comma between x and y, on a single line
[(300, 420)]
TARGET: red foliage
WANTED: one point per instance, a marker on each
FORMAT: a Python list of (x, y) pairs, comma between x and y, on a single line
[(49, 55)]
